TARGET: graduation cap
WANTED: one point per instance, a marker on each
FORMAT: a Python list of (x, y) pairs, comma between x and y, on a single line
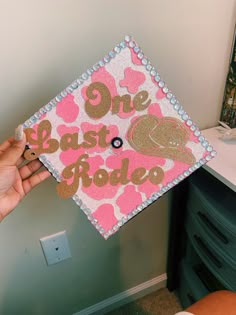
[(116, 139)]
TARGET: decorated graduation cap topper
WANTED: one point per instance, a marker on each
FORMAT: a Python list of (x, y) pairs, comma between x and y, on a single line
[(116, 139)]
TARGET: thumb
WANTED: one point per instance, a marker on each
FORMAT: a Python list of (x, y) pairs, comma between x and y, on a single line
[(15, 151)]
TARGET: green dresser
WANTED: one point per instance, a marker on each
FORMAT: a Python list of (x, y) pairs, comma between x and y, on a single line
[(208, 241)]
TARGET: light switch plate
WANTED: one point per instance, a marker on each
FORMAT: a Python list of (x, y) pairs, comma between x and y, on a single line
[(55, 247)]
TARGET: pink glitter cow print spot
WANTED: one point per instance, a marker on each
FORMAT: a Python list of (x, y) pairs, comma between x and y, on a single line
[(67, 109), (129, 200), (105, 215), (132, 80)]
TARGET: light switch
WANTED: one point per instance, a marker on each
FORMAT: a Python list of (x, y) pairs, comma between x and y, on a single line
[(55, 247)]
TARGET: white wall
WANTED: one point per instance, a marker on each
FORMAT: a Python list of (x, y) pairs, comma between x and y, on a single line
[(44, 46)]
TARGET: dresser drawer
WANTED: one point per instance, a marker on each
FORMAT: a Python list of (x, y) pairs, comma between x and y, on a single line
[(191, 288), (216, 220), (216, 260)]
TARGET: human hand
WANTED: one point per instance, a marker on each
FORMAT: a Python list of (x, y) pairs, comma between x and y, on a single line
[(16, 180)]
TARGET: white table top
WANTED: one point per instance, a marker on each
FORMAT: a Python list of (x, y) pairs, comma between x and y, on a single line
[(223, 166)]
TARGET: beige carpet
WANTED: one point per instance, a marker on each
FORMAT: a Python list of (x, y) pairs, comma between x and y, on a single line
[(161, 302)]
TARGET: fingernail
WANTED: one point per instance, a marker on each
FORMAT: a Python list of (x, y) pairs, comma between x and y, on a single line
[(19, 133)]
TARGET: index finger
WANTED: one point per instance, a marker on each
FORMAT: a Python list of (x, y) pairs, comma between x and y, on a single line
[(6, 144)]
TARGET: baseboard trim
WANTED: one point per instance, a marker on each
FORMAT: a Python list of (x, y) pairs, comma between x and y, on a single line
[(126, 296)]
